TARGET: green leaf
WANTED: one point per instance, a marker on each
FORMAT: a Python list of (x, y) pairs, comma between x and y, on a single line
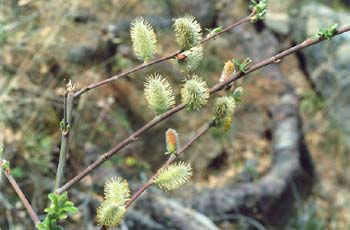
[(243, 67), (214, 31), (62, 217), (59, 209), (70, 209), (259, 8), (329, 32)]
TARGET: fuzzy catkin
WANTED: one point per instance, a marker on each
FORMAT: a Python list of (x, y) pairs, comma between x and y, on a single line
[(187, 31), (143, 39)]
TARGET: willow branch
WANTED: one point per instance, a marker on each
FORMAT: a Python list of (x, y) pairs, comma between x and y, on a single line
[(133, 137), (65, 130), (171, 159), (20, 194), (274, 59), (277, 58), (162, 59)]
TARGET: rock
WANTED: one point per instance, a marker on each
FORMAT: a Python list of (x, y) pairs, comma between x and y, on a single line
[(80, 54), (121, 29), (203, 10), (271, 199), (277, 18), (97, 50), (172, 214), (277, 22), (326, 63), (82, 15)]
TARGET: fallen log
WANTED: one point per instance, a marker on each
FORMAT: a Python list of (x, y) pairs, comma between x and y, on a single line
[(171, 214), (272, 199)]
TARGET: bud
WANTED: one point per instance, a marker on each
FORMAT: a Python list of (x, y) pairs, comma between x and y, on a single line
[(5, 165), (228, 71), (172, 141)]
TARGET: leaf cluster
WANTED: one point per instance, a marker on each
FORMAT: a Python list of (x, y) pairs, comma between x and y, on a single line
[(329, 32), (59, 209), (259, 9)]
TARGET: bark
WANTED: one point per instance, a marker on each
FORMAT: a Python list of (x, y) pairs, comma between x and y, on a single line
[(272, 199)]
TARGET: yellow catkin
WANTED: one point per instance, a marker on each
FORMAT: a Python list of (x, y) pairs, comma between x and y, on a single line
[(228, 71)]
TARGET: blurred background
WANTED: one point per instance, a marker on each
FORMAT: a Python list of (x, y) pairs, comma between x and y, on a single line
[(44, 43)]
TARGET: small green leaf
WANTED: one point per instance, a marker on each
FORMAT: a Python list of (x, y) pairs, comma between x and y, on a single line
[(259, 9), (212, 32), (243, 67), (329, 32), (59, 209), (62, 217), (71, 210)]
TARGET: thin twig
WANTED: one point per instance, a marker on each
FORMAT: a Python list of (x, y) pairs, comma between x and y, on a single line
[(21, 195), (162, 59), (67, 119), (171, 159), (133, 137), (64, 138), (215, 88)]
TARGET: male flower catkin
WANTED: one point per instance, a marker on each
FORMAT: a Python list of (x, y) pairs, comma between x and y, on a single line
[(224, 106), (195, 93), (228, 71), (173, 176), (187, 31), (159, 94), (110, 214), (192, 60), (112, 209), (117, 190), (143, 39), (223, 110)]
